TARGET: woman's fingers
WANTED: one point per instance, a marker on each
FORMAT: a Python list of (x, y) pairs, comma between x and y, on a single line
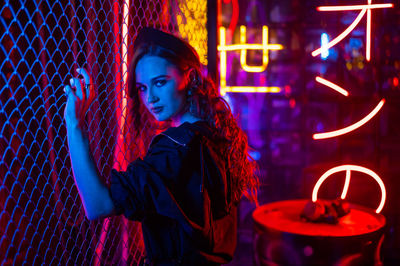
[(87, 81), (84, 74), (76, 83), (82, 94)]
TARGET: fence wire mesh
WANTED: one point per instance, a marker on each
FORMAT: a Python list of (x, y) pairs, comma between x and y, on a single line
[(42, 220)]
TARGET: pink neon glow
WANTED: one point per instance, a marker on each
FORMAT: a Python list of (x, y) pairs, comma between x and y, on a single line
[(395, 81), (346, 184), (364, 9), (352, 127), (235, 14), (368, 33), (117, 152), (120, 162), (348, 168), (353, 7), (332, 86), (123, 161), (342, 35), (124, 71)]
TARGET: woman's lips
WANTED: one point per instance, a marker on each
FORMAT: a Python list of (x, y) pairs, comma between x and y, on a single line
[(157, 110)]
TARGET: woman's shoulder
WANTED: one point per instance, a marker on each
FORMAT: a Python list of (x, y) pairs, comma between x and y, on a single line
[(185, 133)]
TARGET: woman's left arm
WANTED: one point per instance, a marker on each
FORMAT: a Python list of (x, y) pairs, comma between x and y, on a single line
[(93, 192)]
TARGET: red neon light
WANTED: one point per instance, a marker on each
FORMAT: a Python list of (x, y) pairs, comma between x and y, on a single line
[(121, 48), (352, 127), (235, 14), (364, 9), (346, 184), (120, 162), (353, 7), (342, 35), (395, 81), (348, 168), (332, 86), (368, 33)]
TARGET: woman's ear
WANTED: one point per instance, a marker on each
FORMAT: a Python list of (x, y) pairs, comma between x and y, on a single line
[(191, 73), (193, 78), (188, 77)]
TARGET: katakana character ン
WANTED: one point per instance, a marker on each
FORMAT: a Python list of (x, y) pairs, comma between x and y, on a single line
[(345, 130)]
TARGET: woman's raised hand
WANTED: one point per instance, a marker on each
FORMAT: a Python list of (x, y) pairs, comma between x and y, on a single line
[(80, 95)]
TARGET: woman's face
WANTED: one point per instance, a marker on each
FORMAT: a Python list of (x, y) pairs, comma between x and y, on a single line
[(161, 87)]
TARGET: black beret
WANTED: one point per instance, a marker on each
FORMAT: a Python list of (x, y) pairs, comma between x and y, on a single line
[(181, 48)]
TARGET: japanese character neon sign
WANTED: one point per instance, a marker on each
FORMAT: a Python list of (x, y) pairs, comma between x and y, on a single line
[(332, 86), (243, 47), (364, 9), (353, 126), (348, 168)]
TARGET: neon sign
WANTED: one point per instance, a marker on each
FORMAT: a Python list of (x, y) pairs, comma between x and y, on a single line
[(332, 85), (235, 13), (364, 9), (243, 47), (352, 127), (264, 47), (348, 168)]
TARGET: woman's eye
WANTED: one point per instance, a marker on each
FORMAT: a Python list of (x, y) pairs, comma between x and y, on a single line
[(141, 88), (160, 82)]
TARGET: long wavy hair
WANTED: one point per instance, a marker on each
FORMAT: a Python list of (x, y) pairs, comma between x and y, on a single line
[(205, 103)]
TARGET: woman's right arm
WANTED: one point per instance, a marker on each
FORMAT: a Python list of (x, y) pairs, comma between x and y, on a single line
[(93, 192)]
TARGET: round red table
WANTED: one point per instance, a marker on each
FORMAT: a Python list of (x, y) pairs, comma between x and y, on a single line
[(283, 238)]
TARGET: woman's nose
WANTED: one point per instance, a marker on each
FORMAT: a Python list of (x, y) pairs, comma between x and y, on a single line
[(151, 97)]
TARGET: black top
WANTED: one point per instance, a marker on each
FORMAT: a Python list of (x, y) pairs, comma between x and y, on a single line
[(181, 193)]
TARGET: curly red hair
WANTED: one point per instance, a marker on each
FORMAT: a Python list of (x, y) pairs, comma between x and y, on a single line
[(208, 106)]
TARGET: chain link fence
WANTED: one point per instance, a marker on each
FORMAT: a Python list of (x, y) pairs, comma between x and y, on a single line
[(42, 220)]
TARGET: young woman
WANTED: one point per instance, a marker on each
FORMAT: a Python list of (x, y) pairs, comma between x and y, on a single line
[(186, 188)]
